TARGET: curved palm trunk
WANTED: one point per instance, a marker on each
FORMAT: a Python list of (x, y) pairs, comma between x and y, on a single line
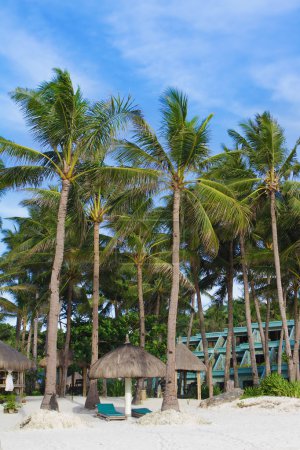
[(67, 341), (49, 400), (140, 382), (230, 318), (279, 288), (248, 313), (93, 395), (261, 329), (170, 400)]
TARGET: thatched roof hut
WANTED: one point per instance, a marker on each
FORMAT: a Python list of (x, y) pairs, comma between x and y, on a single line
[(185, 360), (128, 361), (59, 359), (11, 359)]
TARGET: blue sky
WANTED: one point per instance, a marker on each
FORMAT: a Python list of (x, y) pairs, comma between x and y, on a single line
[(233, 57)]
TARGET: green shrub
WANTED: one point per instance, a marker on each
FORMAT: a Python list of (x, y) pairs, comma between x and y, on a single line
[(11, 403), (205, 393), (274, 385), (115, 387), (253, 391), (36, 393)]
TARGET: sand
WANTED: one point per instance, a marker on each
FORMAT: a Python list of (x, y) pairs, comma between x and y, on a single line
[(264, 423)]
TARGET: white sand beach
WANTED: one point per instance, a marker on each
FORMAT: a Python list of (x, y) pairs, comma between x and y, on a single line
[(265, 423)]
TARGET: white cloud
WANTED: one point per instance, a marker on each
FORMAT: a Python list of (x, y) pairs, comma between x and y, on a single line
[(281, 78), (199, 46), (31, 55)]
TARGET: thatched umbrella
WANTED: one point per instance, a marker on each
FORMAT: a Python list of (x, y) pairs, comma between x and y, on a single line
[(128, 361), (84, 366), (12, 360), (186, 361), (59, 359)]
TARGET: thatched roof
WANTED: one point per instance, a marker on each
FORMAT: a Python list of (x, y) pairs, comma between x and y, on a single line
[(128, 361), (186, 360), (11, 359), (59, 359)]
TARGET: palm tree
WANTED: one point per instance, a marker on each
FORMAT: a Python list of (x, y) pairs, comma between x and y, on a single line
[(183, 150), (263, 142), (234, 173), (68, 129)]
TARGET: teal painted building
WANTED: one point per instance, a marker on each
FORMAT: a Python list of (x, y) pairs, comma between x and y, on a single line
[(217, 351)]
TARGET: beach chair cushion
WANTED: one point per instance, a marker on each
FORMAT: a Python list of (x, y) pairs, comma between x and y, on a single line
[(140, 411), (108, 409)]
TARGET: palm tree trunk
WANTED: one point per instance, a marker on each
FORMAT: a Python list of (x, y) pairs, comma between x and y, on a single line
[(35, 338), (49, 400), (67, 341), (200, 314), (279, 288), (23, 333), (18, 331), (267, 350), (157, 306), (234, 363), (141, 305), (93, 396), (248, 313), (279, 358), (261, 329), (170, 400), (188, 338), (140, 382), (296, 333), (230, 318), (190, 327), (28, 349)]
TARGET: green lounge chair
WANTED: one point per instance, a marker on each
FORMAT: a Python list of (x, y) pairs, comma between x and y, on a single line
[(140, 412), (107, 411)]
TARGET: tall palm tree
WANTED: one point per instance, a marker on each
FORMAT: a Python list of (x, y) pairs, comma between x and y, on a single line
[(181, 151), (233, 171), (263, 142), (67, 129)]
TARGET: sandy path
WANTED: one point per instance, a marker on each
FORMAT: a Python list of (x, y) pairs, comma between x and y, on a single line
[(230, 428)]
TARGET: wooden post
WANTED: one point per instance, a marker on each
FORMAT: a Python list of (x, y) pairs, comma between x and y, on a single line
[(84, 381), (198, 386)]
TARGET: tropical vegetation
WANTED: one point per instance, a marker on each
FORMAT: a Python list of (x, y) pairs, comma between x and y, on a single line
[(146, 235)]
